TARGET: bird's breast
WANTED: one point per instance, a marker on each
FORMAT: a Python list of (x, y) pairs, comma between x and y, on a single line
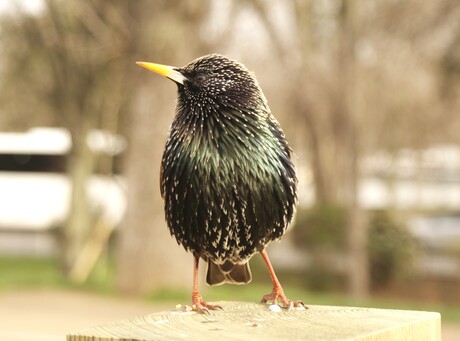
[(226, 189)]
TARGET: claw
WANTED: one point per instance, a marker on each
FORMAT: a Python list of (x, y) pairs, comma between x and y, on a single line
[(200, 306), (204, 307), (278, 294)]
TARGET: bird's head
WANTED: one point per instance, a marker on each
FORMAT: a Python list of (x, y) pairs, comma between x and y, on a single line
[(213, 80)]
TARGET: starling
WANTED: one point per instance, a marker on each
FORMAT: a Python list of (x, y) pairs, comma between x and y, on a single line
[(227, 180)]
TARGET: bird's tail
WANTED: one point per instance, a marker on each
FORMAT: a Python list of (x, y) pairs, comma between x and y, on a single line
[(228, 272)]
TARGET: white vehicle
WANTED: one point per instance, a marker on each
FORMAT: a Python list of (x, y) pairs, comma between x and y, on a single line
[(35, 191)]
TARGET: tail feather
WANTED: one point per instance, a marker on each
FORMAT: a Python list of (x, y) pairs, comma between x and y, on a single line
[(228, 272)]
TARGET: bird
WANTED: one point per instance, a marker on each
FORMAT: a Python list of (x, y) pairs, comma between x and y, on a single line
[(227, 178)]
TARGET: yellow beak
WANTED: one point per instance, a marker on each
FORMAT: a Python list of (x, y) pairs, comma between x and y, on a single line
[(165, 71)]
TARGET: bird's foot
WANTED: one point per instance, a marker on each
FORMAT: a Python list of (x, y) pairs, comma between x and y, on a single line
[(200, 306), (278, 294)]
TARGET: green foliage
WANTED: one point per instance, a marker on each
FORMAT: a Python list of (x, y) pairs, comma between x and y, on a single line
[(320, 226), (391, 249), (322, 277), (322, 229)]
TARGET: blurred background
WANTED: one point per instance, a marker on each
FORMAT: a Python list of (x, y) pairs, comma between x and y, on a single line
[(367, 92)]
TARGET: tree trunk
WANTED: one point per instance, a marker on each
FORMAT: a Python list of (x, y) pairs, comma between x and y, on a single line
[(148, 256), (358, 276), (324, 181), (79, 220)]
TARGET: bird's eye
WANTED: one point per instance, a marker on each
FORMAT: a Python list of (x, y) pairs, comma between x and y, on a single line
[(200, 77)]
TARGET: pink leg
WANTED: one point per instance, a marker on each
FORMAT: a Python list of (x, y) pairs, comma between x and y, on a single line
[(278, 292), (198, 303)]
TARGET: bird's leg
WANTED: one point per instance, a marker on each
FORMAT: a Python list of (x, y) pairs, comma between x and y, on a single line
[(278, 292), (198, 303)]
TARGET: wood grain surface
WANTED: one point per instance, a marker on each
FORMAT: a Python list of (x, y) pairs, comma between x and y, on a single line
[(250, 321)]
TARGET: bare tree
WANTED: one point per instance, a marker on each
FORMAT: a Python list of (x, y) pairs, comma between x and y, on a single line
[(148, 257), (76, 56), (83, 58), (325, 101), (363, 76)]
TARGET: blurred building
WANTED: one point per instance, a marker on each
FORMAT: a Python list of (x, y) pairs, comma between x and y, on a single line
[(412, 179), (35, 191)]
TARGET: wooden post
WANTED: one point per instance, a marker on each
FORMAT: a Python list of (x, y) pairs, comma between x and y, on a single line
[(250, 321)]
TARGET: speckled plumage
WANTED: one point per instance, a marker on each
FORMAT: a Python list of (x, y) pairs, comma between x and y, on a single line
[(227, 180)]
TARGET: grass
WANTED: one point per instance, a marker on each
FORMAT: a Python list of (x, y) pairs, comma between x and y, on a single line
[(33, 273), (44, 273), (20, 273)]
